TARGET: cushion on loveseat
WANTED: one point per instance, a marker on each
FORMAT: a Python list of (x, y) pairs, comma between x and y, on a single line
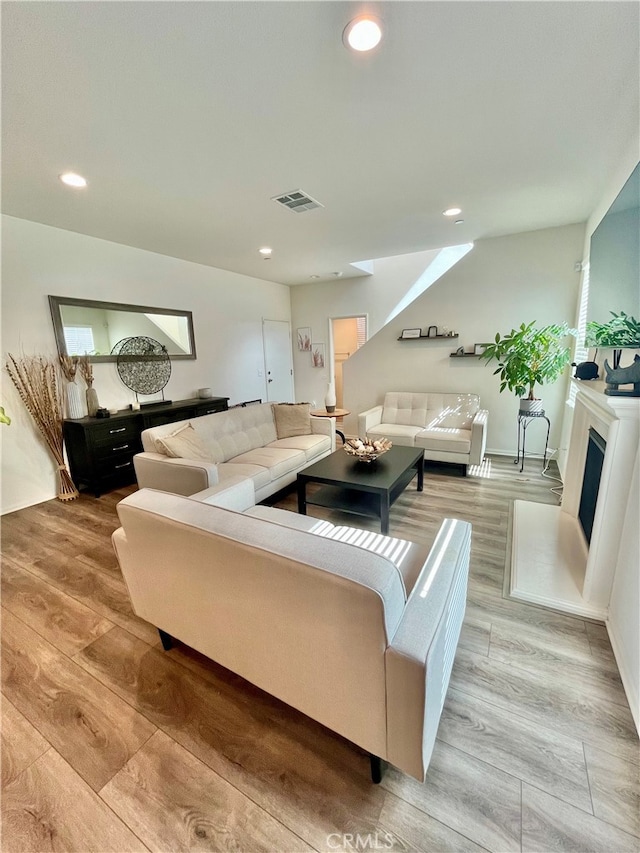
[(455, 411), (405, 408)]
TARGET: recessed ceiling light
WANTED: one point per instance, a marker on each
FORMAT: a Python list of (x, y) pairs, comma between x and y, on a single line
[(265, 250), (452, 211), (458, 222), (73, 180), (314, 276), (363, 33)]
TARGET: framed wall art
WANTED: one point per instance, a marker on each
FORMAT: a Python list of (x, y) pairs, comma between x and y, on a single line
[(317, 355), (304, 339)]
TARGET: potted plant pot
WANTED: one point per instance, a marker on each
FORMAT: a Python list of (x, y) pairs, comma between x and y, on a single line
[(531, 407)]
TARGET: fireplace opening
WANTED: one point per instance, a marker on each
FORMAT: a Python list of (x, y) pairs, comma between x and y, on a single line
[(591, 481)]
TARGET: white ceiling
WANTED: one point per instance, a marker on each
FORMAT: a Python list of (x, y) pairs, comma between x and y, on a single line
[(186, 118)]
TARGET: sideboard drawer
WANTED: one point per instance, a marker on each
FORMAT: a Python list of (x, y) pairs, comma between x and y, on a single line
[(115, 432)]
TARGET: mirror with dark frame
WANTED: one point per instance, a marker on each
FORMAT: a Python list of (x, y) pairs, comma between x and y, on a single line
[(84, 326), (614, 257)]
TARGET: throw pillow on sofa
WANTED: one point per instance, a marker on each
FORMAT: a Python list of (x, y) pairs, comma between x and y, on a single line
[(184, 443), (291, 419)]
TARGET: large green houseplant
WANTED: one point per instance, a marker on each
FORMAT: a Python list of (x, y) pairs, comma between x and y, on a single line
[(528, 357)]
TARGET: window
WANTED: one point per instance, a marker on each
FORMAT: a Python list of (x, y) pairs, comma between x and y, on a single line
[(79, 339)]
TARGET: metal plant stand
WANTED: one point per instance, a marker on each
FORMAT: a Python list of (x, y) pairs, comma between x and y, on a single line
[(524, 419)]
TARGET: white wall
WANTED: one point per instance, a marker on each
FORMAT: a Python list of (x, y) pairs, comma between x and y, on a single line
[(501, 283), (38, 260), (376, 296)]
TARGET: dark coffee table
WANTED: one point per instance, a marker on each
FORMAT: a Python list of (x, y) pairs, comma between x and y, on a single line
[(363, 488)]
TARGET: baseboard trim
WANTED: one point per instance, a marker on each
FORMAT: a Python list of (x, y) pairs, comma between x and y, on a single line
[(631, 687)]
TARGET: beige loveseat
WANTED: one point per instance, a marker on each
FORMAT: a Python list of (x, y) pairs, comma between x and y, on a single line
[(360, 637), (240, 442), (450, 427)]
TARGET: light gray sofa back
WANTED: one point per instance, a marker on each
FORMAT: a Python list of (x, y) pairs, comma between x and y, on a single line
[(305, 618), (226, 434), (429, 410)]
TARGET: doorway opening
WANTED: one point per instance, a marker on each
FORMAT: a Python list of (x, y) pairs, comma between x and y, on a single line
[(347, 334)]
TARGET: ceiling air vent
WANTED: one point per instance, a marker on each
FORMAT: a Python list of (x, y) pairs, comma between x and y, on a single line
[(297, 200)]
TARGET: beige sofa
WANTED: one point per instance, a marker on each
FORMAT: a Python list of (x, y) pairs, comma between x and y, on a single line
[(450, 427), (241, 441), (360, 637)]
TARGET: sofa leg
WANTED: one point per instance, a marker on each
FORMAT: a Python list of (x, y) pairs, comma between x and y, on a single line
[(165, 639), (377, 768)]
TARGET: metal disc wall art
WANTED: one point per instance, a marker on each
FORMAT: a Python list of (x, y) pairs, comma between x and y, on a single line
[(143, 364)]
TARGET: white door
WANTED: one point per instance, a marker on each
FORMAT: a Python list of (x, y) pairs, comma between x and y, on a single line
[(278, 360)]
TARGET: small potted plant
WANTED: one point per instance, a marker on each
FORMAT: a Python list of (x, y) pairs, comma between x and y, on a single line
[(528, 357)]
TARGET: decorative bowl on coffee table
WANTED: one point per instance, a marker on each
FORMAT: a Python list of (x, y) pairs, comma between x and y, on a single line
[(366, 449)]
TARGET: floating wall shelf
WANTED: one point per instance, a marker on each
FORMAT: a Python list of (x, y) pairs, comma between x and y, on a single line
[(428, 338), (463, 355)]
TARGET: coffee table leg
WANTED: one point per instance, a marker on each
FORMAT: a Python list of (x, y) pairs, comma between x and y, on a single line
[(302, 496), (384, 514), (420, 467)]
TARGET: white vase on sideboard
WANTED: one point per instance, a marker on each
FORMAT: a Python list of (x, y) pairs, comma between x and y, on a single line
[(75, 409)]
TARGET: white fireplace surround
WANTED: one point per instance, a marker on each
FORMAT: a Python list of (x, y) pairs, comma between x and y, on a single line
[(552, 564)]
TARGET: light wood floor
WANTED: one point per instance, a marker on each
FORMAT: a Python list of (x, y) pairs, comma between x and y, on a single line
[(111, 744)]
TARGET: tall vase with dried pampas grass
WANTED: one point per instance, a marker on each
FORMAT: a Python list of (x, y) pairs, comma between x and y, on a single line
[(69, 367), (37, 381)]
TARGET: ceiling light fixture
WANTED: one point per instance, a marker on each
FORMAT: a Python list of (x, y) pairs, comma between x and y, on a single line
[(73, 180), (458, 222), (363, 33), (452, 211), (265, 250)]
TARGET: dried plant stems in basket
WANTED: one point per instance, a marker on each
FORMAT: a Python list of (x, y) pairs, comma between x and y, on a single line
[(36, 379), (367, 449)]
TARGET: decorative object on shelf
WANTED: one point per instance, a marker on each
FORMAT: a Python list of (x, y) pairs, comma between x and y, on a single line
[(623, 376), (304, 339), (410, 333), (37, 382), (367, 449), (68, 368), (317, 355), (143, 365), (421, 337), (529, 356), (460, 353), (432, 332), (586, 369), (622, 331), (330, 398), (478, 349), (204, 393), (86, 371)]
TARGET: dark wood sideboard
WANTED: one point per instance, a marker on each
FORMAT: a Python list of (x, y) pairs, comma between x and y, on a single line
[(101, 450)]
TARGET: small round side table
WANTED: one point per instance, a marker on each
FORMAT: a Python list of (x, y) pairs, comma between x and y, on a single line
[(338, 413)]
